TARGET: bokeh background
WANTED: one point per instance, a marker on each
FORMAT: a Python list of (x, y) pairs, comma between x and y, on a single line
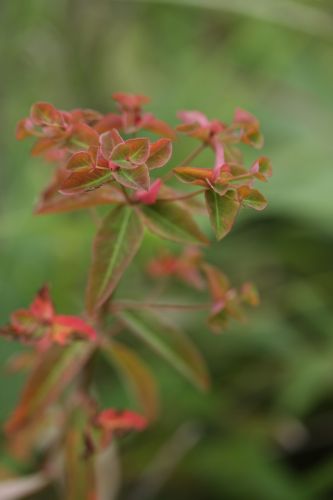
[(265, 431)]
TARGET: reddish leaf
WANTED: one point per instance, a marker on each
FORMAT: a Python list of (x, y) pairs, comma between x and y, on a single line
[(80, 160), (43, 113), (250, 295), (109, 140), (194, 175), (41, 146), (130, 101), (172, 221), (130, 153), (108, 122), (252, 198), (65, 326), (85, 179), (262, 168), (123, 420), (117, 241), (160, 153), (222, 211), (105, 195), (24, 128), (84, 136), (137, 178)]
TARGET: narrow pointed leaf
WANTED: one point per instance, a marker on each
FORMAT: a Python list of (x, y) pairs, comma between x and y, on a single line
[(168, 342), (193, 175), (137, 178), (135, 374), (105, 195), (117, 241), (222, 211), (52, 375), (172, 221)]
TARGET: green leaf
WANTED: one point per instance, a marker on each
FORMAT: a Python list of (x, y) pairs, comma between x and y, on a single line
[(135, 374), (252, 198), (137, 178), (85, 179), (116, 243), (54, 372), (172, 221), (169, 343), (222, 211)]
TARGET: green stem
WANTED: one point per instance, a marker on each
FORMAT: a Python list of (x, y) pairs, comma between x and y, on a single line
[(129, 304)]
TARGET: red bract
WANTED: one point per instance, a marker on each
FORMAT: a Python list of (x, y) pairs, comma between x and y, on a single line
[(125, 161), (40, 325), (55, 129), (120, 420), (185, 267)]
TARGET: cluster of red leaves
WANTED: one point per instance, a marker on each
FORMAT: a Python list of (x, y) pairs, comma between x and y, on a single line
[(226, 301), (39, 325)]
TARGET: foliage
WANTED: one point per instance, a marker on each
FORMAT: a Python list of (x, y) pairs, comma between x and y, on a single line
[(103, 160)]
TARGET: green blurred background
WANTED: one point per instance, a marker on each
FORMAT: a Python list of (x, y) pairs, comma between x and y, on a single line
[(265, 431)]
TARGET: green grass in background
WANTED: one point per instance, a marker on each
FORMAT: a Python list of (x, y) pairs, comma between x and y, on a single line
[(265, 431)]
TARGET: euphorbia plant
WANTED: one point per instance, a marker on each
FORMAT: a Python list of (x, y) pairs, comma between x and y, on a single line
[(108, 160)]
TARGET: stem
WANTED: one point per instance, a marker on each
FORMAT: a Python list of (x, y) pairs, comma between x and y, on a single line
[(187, 160), (129, 304), (193, 155), (126, 195), (184, 197)]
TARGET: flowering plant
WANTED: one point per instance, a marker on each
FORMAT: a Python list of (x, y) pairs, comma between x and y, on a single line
[(110, 160)]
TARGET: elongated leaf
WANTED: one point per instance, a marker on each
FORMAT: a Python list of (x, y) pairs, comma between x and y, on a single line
[(43, 113), (172, 221), (117, 241), (85, 179), (136, 375), (56, 369), (170, 343), (137, 178), (222, 211), (193, 175), (105, 195)]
